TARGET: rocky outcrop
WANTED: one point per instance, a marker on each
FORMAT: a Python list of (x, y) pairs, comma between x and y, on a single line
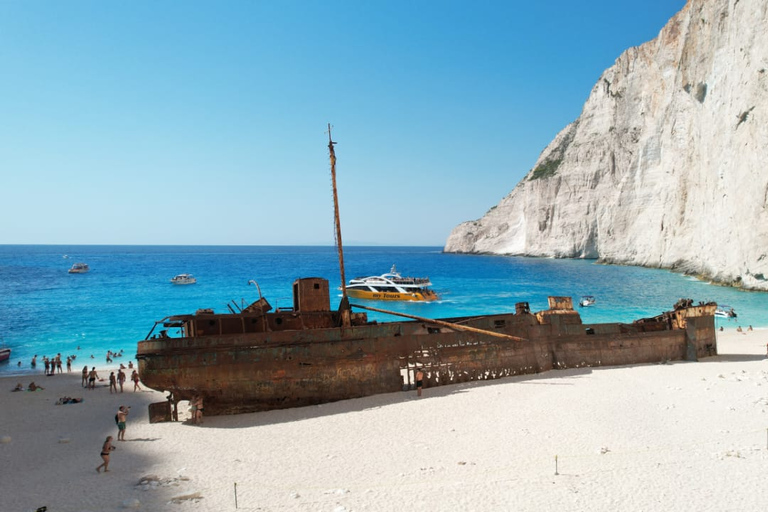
[(667, 165)]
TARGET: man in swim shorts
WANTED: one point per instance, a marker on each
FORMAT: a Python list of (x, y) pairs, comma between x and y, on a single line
[(122, 415), (92, 376)]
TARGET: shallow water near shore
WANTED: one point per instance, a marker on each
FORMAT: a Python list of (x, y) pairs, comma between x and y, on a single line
[(44, 310)]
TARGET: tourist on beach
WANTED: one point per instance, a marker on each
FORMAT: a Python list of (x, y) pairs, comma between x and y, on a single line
[(130, 365), (135, 379), (122, 416), (92, 376), (85, 376), (749, 328), (106, 449), (34, 361), (34, 387), (46, 364), (419, 381), (121, 378), (112, 382), (69, 364), (738, 329), (58, 363), (197, 409), (19, 387)]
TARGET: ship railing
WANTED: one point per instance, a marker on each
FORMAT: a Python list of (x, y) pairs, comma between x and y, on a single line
[(169, 321), (412, 280)]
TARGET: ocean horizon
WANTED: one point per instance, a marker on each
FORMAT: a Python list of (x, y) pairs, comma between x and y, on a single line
[(44, 310)]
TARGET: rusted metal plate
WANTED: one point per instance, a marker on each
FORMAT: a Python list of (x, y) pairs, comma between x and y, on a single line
[(259, 361)]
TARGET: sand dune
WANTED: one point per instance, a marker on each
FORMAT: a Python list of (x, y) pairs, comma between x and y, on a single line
[(678, 436)]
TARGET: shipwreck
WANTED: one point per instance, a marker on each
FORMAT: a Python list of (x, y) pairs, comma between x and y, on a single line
[(257, 359)]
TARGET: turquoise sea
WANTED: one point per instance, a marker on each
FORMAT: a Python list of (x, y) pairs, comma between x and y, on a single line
[(44, 310)]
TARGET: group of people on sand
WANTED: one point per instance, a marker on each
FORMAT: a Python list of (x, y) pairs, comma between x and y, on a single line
[(32, 387), (90, 377), (121, 418), (738, 329)]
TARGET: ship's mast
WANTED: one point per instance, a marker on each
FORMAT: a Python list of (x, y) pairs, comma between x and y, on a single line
[(344, 306)]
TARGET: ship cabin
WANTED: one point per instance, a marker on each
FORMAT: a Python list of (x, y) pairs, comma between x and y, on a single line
[(311, 310)]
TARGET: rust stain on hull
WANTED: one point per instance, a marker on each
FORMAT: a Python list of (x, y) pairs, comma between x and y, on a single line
[(258, 360)]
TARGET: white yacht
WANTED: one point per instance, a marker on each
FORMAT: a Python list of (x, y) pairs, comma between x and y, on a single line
[(184, 279), (587, 300), (391, 286), (725, 311)]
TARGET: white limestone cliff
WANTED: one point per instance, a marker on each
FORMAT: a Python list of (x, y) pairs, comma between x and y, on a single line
[(667, 165)]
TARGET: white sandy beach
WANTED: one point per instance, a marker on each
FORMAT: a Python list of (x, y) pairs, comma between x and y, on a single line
[(680, 436)]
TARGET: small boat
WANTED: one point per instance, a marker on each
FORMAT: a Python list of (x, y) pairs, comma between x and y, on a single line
[(391, 286), (725, 311), (5, 354), (587, 300), (79, 268), (184, 279)]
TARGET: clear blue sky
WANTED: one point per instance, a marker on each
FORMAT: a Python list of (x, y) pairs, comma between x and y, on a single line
[(191, 122)]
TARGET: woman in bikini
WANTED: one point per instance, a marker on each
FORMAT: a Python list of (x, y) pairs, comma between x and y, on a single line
[(105, 450), (135, 379)]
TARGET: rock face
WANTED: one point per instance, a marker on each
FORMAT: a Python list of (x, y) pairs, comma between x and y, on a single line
[(667, 166)]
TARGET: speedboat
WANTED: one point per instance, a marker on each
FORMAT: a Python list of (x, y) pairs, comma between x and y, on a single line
[(587, 300), (725, 311), (391, 286), (5, 354), (184, 279), (79, 268)]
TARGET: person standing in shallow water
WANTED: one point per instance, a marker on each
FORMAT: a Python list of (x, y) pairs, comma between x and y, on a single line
[(106, 449)]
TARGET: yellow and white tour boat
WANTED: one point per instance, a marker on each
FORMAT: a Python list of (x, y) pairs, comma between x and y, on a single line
[(391, 286)]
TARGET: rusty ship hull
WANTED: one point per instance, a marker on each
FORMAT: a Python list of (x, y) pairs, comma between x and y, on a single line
[(257, 360)]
